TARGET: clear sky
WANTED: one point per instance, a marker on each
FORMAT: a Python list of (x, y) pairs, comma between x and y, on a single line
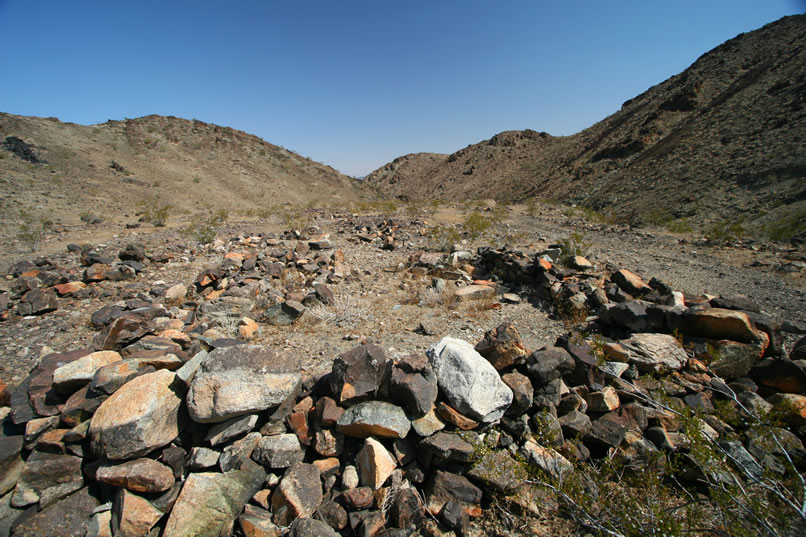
[(356, 84)]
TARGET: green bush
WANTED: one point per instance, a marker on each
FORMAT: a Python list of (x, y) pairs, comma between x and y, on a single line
[(574, 244), (156, 213)]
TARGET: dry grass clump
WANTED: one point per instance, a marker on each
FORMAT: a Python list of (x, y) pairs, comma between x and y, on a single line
[(345, 312)]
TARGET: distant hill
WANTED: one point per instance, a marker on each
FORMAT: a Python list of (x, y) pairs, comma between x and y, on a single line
[(723, 140), (115, 167)]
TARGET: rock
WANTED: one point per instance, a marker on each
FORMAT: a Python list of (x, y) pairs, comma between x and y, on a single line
[(575, 424), (655, 353), (256, 526), (548, 364), (139, 475), (349, 478), (69, 288), (497, 470), (248, 328), (631, 314), (502, 346), (122, 332), (456, 518), (133, 252), (47, 478), (358, 374), (37, 301), (310, 527), (11, 463), (443, 487), (474, 292), (283, 314), (100, 524), (328, 444), (407, 510), (792, 406), (630, 282), (326, 412), (469, 382), (202, 458), (375, 464), (716, 323), (279, 451), (132, 515), (70, 377), (448, 446), (546, 459), (783, 375), (522, 392), (603, 401), (69, 517), (239, 380), (428, 424), (210, 502), (414, 384), (109, 378), (141, 416), (226, 431), (297, 421), (233, 456), (374, 418), (176, 293), (458, 420), (298, 495)]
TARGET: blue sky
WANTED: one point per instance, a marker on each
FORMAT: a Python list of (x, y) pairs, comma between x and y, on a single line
[(356, 84)]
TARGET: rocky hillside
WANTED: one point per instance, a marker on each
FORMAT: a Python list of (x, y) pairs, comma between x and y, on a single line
[(720, 141), (63, 169)]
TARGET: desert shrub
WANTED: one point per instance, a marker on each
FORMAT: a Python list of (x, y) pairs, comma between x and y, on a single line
[(574, 244), (722, 231), (31, 229), (86, 216), (445, 236), (787, 228), (681, 225), (702, 490), (476, 224), (156, 213)]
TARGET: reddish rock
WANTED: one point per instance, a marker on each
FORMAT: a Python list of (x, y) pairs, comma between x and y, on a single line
[(452, 416), (358, 498), (630, 282), (132, 515), (96, 272), (716, 323), (139, 475), (69, 288), (298, 423), (121, 332), (326, 412)]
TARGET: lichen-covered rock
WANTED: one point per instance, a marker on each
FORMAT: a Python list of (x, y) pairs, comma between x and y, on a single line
[(655, 353)]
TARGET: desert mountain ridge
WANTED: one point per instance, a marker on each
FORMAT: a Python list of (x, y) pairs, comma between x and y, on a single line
[(115, 167), (721, 141)]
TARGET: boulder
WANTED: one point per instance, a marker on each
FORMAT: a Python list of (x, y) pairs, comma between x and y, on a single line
[(145, 414), (238, 380), (469, 382)]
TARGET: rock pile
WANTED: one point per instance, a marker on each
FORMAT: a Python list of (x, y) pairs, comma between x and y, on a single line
[(161, 430)]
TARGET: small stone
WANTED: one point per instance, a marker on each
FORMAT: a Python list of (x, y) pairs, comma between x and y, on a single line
[(349, 477), (443, 487), (448, 446), (458, 420), (202, 458), (358, 498), (132, 515), (428, 424), (603, 401), (474, 292), (546, 459), (226, 431)]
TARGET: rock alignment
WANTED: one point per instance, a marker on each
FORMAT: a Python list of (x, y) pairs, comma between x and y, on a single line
[(179, 434)]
